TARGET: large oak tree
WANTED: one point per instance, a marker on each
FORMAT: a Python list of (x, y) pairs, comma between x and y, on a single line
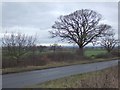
[(81, 27)]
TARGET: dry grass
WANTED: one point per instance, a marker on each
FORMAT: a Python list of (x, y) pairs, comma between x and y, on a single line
[(107, 78)]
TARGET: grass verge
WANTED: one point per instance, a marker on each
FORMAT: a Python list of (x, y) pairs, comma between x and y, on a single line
[(107, 78)]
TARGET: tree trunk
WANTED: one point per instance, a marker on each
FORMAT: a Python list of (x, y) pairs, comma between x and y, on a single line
[(80, 51)]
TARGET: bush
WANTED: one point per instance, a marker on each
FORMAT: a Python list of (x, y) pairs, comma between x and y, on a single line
[(63, 56), (6, 63), (107, 55), (28, 60), (34, 60), (41, 59), (116, 53)]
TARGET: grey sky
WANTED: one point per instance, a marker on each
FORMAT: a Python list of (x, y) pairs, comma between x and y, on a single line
[(38, 17)]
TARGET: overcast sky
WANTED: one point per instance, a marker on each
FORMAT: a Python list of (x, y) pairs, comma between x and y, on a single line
[(38, 17)]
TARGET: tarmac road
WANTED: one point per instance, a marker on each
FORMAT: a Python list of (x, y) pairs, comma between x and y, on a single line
[(20, 80)]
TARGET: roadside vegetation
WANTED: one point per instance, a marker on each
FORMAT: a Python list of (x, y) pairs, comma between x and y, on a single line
[(107, 78), (49, 59)]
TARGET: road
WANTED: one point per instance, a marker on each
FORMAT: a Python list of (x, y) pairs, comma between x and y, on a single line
[(19, 80)]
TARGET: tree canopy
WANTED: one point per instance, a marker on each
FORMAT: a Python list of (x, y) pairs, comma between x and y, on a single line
[(81, 27)]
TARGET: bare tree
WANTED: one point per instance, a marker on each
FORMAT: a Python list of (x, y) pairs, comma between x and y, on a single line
[(17, 44), (108, 41), (81, 27)]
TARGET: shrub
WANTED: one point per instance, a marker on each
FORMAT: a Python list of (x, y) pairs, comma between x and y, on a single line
[(116, 53), (107, 55), (63, 56)]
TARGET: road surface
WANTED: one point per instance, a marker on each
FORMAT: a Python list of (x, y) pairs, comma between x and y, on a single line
[(19, 80)]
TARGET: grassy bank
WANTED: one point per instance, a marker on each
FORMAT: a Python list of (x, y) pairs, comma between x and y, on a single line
[(107, 78)]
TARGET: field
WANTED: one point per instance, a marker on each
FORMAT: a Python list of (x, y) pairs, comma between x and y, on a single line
[(107, 78), (94, 52)]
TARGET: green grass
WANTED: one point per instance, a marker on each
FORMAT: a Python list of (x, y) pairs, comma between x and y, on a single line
[(107, 78), (94, 52), (87, 52)]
